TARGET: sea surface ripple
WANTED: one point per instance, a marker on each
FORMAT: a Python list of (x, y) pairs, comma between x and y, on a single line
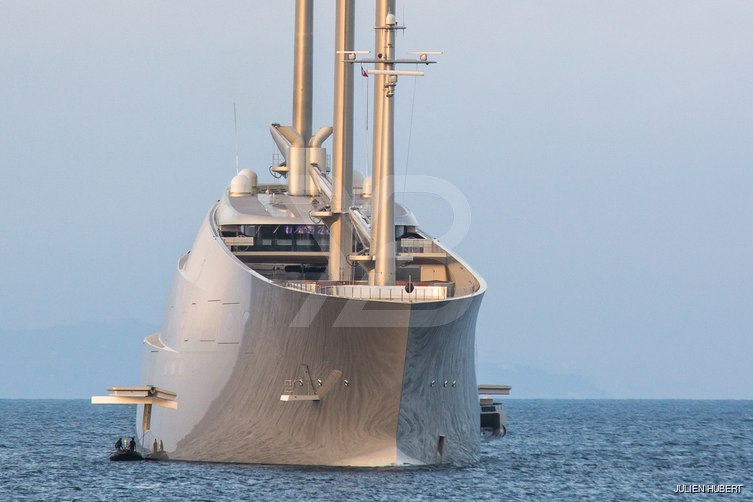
[(554, 450)]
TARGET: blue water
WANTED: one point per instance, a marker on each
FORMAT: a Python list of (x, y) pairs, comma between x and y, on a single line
[(554, 450)]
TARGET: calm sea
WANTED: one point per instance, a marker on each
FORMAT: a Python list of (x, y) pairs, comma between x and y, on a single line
[(554, 450)]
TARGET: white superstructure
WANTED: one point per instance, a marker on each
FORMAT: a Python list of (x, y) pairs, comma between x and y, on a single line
[(313, 322)]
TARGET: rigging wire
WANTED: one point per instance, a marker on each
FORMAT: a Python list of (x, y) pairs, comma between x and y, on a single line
[(366, 130), (235, 123), (410, 135)]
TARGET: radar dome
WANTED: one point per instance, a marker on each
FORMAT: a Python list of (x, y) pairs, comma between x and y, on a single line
[(240, 185), (366, 192), (251, 175)]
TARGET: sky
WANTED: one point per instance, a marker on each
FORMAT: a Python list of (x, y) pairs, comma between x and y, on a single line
[(603, 152)]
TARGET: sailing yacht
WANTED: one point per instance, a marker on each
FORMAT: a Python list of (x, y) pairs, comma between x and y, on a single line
[(313, 321)]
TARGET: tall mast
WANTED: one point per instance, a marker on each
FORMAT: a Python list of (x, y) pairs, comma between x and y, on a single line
[(341, 232), (303, 68), (383, 7), (302, 97), (383, 217)]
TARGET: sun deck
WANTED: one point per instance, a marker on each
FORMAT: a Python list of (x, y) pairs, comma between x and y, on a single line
[(280, 237)]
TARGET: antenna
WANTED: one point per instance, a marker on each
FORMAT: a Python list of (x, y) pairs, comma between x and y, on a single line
[(424, 55), (351, 55), (396, 72), (235, 122)]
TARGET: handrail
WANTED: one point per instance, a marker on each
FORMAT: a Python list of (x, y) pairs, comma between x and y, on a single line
[(363, 291)]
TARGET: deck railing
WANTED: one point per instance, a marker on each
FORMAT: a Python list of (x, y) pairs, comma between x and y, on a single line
[(419, 292)]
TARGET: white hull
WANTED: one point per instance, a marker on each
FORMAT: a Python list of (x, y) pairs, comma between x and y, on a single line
[(232, 338), (277, 350)]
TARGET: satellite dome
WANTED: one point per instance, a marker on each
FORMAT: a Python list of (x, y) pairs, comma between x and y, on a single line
[(251, 175), (240, 185)]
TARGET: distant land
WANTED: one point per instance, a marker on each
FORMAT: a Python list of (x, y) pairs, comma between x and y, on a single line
[(535, 383), (78, 361)]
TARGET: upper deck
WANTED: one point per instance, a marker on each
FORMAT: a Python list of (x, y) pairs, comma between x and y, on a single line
[(282, 238)]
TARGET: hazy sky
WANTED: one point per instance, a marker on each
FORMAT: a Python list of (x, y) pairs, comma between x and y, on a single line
[(605, 148)]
